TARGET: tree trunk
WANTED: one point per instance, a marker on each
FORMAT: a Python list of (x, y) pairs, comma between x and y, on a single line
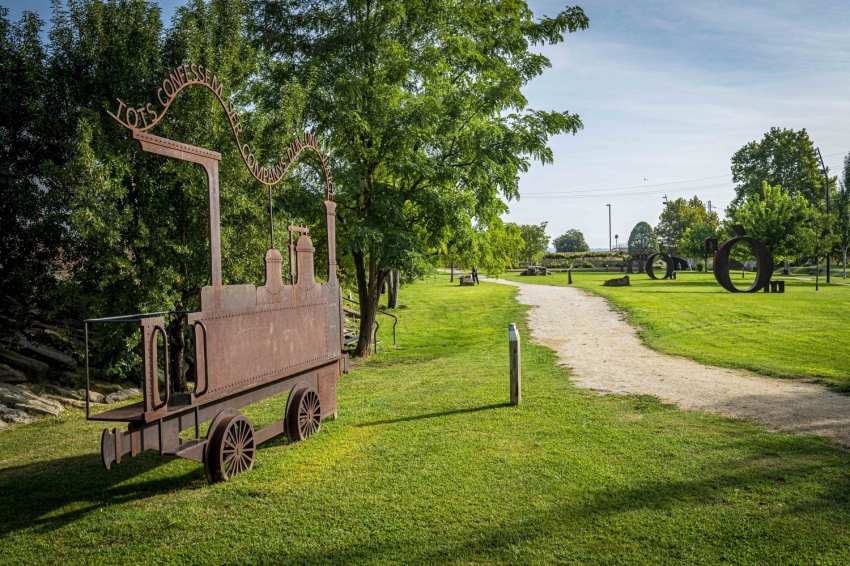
[(452, 280), (392, 296), (177, 348), (844, 265), (369, 281)]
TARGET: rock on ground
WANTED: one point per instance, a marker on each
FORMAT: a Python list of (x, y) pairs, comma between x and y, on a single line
[(105, 387), (122, 395), (49, 356), (15, 415), (11, 375), (67, 401), (3, 424), (33, 368), (20, 398), (94, 396), (63, 391)]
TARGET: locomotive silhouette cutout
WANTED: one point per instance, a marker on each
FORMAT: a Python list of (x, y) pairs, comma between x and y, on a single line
[(251, 343)]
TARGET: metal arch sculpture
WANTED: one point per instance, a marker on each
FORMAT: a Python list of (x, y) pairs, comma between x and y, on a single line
[(764, 261), (668, 260), (251, 342), (638, 259)]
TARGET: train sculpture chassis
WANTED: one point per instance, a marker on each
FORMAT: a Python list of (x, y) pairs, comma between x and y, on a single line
[(251, 343)]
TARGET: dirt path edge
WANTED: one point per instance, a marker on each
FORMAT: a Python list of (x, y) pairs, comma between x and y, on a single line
[(606, 355)]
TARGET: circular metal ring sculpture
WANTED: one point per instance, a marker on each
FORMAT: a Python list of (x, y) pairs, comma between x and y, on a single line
[(304, 414), (764, 265), (668, 260), (232, 447)]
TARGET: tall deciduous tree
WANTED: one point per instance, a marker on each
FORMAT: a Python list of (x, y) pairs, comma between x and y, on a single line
[(784, 158), (535, 240), (571, 241), (421, 105), (841, 212), (693, 240), (33, 221), (779, 220), (642, 240), (677, 217), (495, 248)]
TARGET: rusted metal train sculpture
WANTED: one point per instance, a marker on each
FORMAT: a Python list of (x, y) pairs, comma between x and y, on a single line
[(251, 343)]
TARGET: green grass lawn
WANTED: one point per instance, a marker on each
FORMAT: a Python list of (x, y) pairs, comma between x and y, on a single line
[(801, 333), (427, 464)]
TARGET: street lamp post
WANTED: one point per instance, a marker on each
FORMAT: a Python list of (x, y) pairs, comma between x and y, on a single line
[(609, 228), (616, 245)]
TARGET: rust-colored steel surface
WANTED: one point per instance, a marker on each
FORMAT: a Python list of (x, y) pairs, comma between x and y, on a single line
[(635, 259), (764, 262), (251, 342), (668, 261)]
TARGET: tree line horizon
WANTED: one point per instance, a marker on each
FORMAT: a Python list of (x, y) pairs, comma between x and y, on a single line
[(780, 199)]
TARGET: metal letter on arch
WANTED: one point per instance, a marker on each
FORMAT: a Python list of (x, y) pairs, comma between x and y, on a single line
[(764, 264), (668, 261)]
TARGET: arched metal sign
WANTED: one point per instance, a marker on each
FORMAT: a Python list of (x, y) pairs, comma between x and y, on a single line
[(145, 117)]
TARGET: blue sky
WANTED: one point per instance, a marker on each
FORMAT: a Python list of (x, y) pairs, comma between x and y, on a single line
[(668, 91)]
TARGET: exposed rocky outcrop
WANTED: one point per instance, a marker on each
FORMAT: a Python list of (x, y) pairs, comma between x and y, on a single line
[(47, 355), (11, 375), (41, 373), (63, 391), (25, 400), (15, 416), (34, 369), (123, 395), (66, 401), (94, 396)]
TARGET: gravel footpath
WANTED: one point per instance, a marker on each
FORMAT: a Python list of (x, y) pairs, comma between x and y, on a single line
[(606, 355)]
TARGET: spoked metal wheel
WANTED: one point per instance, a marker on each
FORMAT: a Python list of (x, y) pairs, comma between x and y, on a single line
[(304, 414), (231, 449)]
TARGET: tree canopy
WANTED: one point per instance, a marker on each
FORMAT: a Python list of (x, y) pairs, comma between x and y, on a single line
[(642, 239), (779, 220), (421, 106), (841, 212), (784, 158), (677, 217), (571, 241), (33, 210), (536, 242), (496, 248), (693, 240)]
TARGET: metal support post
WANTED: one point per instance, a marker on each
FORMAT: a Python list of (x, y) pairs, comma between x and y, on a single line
[(516, 373)]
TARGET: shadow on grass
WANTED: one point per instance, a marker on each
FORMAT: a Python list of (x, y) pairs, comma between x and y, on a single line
[(34, 496), (433, 415), (665, 504)]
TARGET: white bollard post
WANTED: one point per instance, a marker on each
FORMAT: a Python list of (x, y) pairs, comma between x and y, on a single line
[(516, 373)]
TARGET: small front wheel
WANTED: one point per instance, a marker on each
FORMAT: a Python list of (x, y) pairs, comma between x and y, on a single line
[(304, 414)]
